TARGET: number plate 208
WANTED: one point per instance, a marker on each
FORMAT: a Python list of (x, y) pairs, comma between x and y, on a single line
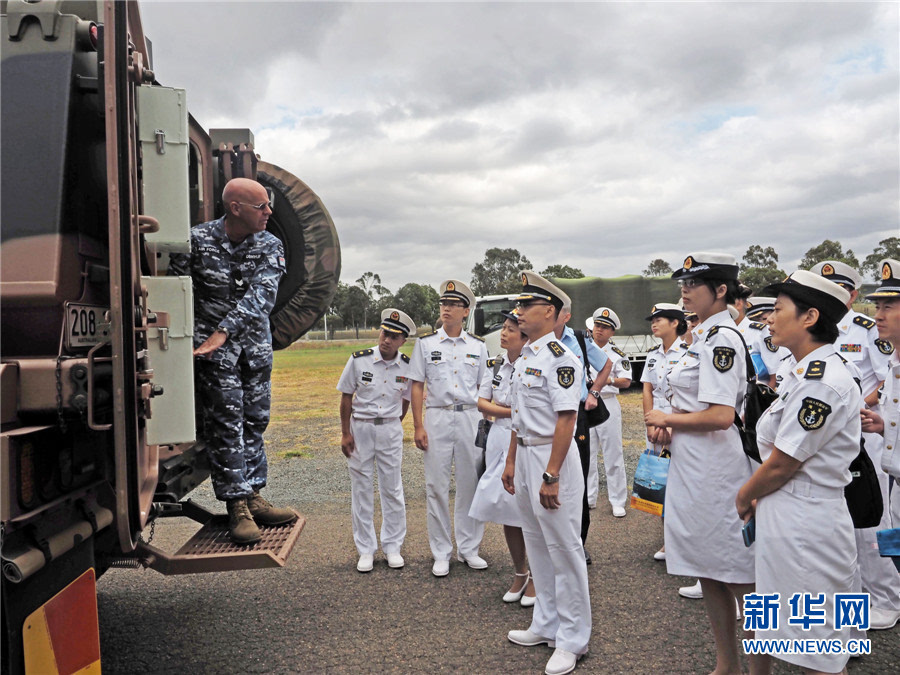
[(83, 325)]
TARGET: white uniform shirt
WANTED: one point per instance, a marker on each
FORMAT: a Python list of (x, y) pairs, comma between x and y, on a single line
[(496, 388), (890, 410), (621, 367), (380, 386), (815, 419), (711, 371), (762, 347), (743, 327), (452, 368), (657, 369), (858, 342), (546, 380)]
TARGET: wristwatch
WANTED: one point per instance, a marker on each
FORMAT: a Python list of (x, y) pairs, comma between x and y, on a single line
[(550, 479), (595, 393), (222, 330)]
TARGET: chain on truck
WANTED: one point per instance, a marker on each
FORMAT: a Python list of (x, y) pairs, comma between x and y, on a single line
[(104, 172)]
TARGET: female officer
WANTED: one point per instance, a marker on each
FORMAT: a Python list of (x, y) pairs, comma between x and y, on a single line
[(702, 531), (807, 439), (668, 324), (492, 502)]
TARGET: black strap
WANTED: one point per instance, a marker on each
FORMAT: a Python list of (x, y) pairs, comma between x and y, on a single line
[(579, 335), (750, 369)]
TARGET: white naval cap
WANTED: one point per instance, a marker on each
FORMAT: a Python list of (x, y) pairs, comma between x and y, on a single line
[(733, 311), (838, 272), (453, 289), (757, 304), (815, 290), (890, 281), (606, 316), (708, 265), (536, 287), (395, 321), (666, 310)]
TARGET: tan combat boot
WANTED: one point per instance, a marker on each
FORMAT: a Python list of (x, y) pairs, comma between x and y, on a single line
[(241, 527), (266, 514)]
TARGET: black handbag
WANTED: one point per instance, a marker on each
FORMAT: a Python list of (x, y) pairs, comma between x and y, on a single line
[(757, 398), (598, 415), (484, 426), (863, 492)]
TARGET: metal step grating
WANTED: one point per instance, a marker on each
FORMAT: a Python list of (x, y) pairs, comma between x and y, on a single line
[(211, 549)]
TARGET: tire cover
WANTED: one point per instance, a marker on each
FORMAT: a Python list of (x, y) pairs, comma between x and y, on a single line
[(312, 255)]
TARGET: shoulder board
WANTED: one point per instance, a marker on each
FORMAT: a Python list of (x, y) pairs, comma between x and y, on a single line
[(556, 348), (656, 348), (619, 352), (815, 370), (884, 346), (471, 335), (425, 335), (864, 321), (363, 352), (757, 325), (712, 331), (498, 361), (684, 345), (404, 358)]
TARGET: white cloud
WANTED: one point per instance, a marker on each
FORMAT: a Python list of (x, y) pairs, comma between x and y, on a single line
[(595, 135)]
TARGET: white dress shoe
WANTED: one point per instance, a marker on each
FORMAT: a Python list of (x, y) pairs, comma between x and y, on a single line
[(659, 555), (509, 596), (366, 561), (441, 568), (561, 662), (476, 562), (528, 639), (883, 619), (528, 600), (694, 592), (618, 512), (394, 560)]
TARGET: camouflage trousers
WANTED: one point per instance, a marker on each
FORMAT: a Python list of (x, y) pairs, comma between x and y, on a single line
[(235, 404)]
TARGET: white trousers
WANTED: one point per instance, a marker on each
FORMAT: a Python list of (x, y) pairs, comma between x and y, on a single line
[(380, 445), (607, 438), (451, 442), (880, 578), (562, 611)]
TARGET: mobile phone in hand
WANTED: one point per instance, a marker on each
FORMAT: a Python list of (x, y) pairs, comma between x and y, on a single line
[(749, 531)]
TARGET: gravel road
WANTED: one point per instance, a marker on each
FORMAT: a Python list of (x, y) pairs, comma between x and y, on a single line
[(319, 615)]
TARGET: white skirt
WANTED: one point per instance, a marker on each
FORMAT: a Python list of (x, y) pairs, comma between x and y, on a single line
[(492, 503), (805, 545), (702, 529)]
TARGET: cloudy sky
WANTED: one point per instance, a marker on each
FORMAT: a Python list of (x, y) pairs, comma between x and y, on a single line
[(598, 135)]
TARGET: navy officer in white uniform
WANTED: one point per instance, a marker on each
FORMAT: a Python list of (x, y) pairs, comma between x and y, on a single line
[(859, 343), (607, 437), (451, 364), (375, 392), (543, 470)]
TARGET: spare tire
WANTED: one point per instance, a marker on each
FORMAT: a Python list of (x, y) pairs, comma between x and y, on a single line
[(312, 254)]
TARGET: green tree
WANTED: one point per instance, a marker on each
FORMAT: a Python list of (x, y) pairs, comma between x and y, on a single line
[(419, 301), (887, 248), (499, 272), (370, 283), (350, 304), (760, 268), (657, 268), (562, 272), (828, 250)]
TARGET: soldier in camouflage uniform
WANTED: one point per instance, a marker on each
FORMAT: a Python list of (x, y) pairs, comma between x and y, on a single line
[(236, 266)]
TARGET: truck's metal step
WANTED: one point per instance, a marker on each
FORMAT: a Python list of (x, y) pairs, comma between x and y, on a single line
[(211, 550)]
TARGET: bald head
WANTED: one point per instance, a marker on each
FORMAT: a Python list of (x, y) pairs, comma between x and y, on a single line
[(241, 198)]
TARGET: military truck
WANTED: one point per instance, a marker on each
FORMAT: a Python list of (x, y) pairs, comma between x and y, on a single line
[(631, 297), (104, 171)]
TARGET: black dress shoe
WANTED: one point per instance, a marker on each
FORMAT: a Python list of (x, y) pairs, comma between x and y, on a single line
[(587, 557)]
